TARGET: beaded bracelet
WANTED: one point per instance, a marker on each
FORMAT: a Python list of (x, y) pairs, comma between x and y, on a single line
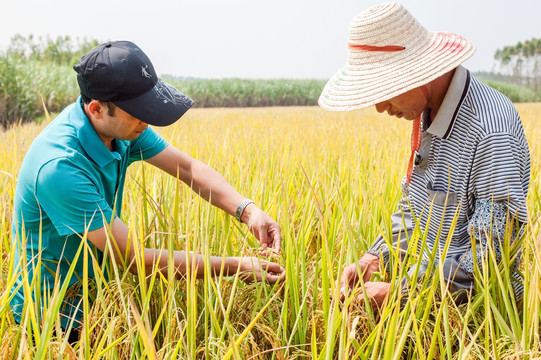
[(241, 207)]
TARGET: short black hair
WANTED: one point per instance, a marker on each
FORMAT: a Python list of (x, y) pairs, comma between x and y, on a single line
[(86, 99)]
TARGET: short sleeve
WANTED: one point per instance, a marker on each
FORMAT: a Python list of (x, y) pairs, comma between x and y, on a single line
[(500, 172), (147, 145), (70, 199)]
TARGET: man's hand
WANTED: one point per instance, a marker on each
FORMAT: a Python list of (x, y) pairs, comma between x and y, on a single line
[(253, 269), (377, 293), (265, 229), (352, 274)]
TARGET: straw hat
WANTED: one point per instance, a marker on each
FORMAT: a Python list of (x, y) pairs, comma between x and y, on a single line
[(390, 53)]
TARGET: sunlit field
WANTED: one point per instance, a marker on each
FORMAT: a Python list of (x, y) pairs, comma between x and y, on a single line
[(331, 180)]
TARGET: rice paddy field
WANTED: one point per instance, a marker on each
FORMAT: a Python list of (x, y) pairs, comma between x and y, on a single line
[(331, 180)]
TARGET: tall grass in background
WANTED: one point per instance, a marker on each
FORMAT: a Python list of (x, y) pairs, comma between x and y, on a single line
[(36, 68), (47, 74), (24, 84), (514, 92), (35, 71), (332, 181), (236, 92)]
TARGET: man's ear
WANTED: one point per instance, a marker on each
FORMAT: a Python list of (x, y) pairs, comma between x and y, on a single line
[(96, 108)]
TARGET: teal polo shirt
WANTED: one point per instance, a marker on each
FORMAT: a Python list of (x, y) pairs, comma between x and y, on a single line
[(69, 182)]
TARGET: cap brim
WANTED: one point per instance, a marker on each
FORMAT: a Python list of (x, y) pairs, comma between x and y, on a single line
[(161, 106)]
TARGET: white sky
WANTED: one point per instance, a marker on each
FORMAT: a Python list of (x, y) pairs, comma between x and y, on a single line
[(259, 39)]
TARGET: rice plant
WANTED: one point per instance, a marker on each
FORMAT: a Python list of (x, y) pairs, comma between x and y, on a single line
[(332, 181)]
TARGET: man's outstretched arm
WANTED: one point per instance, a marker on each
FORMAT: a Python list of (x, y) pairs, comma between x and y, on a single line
[(124, 250), (214, 188)]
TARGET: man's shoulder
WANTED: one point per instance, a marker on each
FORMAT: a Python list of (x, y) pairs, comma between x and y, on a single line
[(62, 130), (57, 145), (49, 171), (484, 93), (488, 109)]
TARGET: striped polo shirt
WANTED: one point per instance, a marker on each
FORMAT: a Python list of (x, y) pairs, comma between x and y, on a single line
[(474, 150)]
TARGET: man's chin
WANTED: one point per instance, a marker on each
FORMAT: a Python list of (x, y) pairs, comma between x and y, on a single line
[(132, 136)]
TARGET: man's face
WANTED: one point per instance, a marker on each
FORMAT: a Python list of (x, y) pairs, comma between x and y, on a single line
[(408, 105), (121, 125)]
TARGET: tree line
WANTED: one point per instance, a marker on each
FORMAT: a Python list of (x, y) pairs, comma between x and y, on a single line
[(522, 62)]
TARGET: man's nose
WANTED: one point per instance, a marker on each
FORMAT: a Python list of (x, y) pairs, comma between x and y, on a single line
[(382, 106)]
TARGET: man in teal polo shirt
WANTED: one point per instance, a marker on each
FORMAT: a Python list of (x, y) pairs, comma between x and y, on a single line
[(72, 178)]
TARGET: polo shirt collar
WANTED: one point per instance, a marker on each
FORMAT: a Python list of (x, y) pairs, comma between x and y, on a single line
[(91, 142), (443, 123)]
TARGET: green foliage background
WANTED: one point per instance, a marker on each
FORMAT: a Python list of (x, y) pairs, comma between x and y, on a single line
[(38, 71)]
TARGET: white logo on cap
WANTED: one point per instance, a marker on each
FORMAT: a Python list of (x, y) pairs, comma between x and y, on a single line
[(167, 93), (144, 72)]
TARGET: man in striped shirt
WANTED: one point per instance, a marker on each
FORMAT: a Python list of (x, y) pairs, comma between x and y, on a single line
[(469, 171)]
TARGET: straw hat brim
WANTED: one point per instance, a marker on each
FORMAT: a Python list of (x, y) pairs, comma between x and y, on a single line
[(359, 85)]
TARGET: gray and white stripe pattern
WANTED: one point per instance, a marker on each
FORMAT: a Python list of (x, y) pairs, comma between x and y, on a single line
[(485, 156), (475, 150)]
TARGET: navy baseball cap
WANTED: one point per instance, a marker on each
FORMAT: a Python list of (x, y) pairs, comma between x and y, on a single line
[(121, 73)]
